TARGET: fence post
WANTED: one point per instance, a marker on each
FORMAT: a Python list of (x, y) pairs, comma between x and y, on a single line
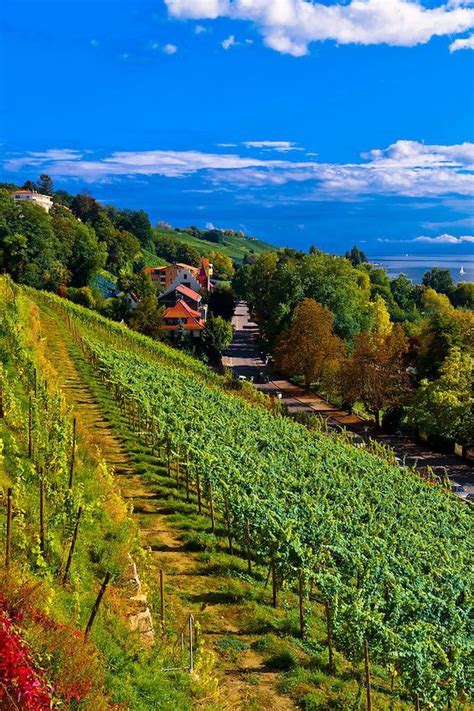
[(247, 542), (301, 600), (211, 507), (162, 602), (198, 483), (367, 675), (30, 428), (97, 604), (41, 513), (329, 638), (73, 453), (191, 648), (274, 581), (73, 545), (9, 527)]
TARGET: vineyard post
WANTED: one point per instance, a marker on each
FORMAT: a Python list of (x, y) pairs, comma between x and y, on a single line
[(9, 527), (30, 428), (301, 600), (41, 513), (229, 533), (417, 702), (247, 543), (187, 480), (35, 382), (327, 610), (177, 468), (162, 602), (73, 453), (97, 604), (367, 675), (2, 413), (168, 456), (191, 650), (198, 482), (274, 581), (211, 507), (72, 546)]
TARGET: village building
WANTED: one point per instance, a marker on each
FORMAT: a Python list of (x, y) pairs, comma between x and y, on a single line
[(173, 275), (183, 293), (45, 201), (182, 316)]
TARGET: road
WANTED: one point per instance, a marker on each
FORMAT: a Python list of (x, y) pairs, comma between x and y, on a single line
[(244, 358)]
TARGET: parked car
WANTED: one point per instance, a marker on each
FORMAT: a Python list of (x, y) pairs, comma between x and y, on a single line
[(457, 488)]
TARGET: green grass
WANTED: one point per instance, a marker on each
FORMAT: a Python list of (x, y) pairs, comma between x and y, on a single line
[(234, 247)]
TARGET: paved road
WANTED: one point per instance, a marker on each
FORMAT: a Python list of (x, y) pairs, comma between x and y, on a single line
[(244, 358)]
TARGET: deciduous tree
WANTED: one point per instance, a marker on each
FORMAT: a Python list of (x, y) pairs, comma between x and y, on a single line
[(309, 344)]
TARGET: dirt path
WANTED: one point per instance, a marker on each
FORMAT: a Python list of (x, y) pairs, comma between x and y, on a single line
[(244, 682)]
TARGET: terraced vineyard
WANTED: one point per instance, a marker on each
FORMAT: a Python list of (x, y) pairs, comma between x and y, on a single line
[(367, 566)]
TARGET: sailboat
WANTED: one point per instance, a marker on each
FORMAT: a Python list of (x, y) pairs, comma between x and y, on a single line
[(461, 271)]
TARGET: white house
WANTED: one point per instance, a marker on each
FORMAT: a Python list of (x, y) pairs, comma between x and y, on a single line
[(45, 201)]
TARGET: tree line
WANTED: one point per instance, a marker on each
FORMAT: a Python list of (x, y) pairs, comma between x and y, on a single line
[(402, 351)]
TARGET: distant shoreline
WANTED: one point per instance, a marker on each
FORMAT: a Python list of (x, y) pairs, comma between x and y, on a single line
[(415, 265)]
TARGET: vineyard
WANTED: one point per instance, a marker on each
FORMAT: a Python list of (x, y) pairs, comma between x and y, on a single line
[(379, 557)]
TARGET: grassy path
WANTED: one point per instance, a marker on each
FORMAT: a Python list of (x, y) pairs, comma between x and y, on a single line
[(211, 586)]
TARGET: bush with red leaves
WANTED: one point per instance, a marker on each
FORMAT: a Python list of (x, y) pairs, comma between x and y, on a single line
[(21, 683)]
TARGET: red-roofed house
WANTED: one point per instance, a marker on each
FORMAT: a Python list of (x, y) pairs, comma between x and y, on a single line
[(183, 316), (194, 278)]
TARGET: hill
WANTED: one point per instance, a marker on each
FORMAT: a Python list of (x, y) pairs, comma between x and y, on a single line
[(226, 493), (236, 246)]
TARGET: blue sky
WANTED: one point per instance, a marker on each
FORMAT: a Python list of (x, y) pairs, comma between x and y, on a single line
[(327, 123)]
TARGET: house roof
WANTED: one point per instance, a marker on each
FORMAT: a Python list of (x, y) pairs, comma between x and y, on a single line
[(182, 310), (150, 270), (190, 293)]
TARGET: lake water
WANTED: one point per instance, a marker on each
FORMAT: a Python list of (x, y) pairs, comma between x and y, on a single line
[(414, 266)]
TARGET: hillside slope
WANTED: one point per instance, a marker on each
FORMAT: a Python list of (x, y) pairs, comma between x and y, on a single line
[(234, 246), (228, 495)]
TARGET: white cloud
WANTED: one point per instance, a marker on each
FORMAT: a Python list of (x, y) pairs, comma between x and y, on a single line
[(406, 168), (290, 26), (170, 49), (464, 43), (440, 239), (229, 42), (199, 29), (445, 239), (279, 146)]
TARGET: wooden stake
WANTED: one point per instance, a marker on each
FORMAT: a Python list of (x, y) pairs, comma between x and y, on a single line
[(198, 482), (97, 604), (41, 512), (417, 703), (327, 610), (35, 382), (229, 534), (30, 428), (2, 413), (301, 600), (168, 457), (274, 582), (247, 543), (73, 453), (187, 481), (9, 527), (211, 507), (162, 602), (72, 546), (367, 675)]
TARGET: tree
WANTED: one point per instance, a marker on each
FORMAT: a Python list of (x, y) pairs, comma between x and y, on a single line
[(439, 279), (45, 184), (380, 318), (147, 318), (309, 344), (216, 337), (463, 295), (377, 370), (356, 256), (445, 406), (222, 302), (30, 185), (88, 256), (223, 266), (403, 290), (86, 208)]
